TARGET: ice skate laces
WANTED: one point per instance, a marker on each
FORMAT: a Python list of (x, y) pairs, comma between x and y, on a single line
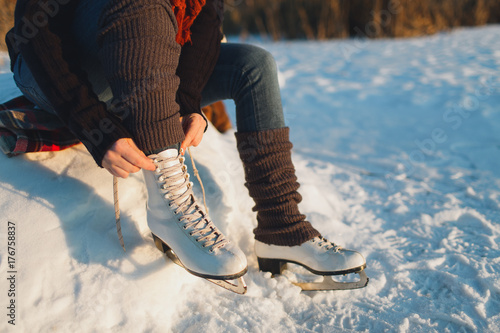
[(173, 178), (326, 244)]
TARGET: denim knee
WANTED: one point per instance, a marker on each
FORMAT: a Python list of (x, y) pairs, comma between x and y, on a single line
[(257, 62), (259, 87), (247, 74)]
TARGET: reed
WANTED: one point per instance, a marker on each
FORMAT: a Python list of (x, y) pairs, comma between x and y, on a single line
[(6, 19), (324, 19)]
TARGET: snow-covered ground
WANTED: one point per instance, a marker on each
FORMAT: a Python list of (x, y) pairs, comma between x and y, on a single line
[(397, 148)]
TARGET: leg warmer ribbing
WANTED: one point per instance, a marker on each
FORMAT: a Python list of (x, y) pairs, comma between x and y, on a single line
[(271, 181)]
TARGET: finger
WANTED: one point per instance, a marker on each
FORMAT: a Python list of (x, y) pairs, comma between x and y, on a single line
[(187, 140), (195, 141), (132, 161), (118, 172), (184, 146), (117, 164), (199, 136), (193, 138), (137, 157), (194, 127), (121, 162), (145, 163)]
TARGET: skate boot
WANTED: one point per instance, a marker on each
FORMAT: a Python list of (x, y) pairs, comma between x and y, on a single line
[(272, 183), (317, 255), (183, 230)]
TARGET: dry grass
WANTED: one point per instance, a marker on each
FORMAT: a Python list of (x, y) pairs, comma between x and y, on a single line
[(6, 19), (321, 19)]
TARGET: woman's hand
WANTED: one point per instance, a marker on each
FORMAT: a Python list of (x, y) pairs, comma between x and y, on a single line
[(194, 126), (124, 158)]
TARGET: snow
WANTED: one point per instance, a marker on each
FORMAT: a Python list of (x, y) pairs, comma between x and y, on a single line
[(397, 148)]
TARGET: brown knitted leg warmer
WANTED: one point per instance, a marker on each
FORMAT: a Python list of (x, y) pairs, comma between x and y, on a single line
[(271, 181)]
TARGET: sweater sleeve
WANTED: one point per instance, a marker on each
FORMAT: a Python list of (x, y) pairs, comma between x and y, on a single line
[(50, 54), (198, 58)]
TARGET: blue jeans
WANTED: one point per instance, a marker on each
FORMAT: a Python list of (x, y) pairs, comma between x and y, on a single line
[(245, 73), (248, 75)]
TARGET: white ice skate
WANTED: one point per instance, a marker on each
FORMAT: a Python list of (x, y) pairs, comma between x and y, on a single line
[(183, 231), (320, 257)]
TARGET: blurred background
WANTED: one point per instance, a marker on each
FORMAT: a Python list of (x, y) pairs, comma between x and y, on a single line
[(6, 20), (324, 19)]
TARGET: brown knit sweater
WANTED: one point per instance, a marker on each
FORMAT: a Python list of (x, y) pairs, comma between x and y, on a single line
[(151, 77)]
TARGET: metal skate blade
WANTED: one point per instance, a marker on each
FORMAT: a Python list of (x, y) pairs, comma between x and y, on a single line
[(330, 284), (165, 249), (239, 287)]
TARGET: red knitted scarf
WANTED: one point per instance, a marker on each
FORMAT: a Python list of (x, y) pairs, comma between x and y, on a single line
[(186, 12)]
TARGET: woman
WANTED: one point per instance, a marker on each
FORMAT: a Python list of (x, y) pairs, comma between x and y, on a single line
[(122, 73)]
